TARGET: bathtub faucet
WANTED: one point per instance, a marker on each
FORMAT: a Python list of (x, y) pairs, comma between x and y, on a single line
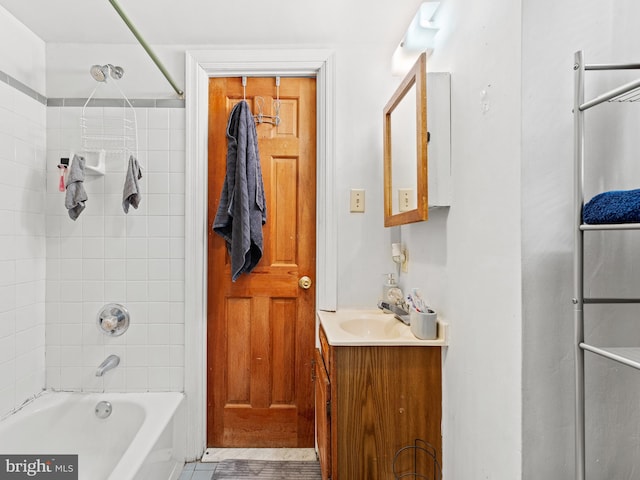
[(109, 363)]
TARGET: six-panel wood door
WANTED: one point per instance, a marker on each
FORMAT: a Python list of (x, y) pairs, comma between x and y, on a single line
[(261, 328)]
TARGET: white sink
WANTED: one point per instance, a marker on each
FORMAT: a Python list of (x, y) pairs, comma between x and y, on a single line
[(379, 328), (371, 328)]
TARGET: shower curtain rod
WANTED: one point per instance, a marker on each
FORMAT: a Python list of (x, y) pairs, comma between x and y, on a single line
[(146, 46)]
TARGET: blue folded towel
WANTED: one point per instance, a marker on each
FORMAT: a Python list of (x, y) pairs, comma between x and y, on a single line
[(616, 206)]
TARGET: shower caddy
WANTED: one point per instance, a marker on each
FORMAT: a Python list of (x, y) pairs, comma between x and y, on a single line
[(108, 131), (630, 356)]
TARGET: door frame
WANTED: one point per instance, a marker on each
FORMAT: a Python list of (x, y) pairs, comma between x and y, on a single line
[(200, 66)]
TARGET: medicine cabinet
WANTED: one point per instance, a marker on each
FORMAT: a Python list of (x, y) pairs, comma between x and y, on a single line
[(417, 158)]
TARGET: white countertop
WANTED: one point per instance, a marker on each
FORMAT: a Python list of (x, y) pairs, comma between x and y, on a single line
[(374, 328)]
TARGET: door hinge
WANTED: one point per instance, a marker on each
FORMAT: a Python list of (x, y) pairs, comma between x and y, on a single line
[(328, 408), (313, 370)]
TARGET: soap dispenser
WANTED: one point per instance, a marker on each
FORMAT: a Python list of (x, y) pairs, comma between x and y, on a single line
[(389, 283)]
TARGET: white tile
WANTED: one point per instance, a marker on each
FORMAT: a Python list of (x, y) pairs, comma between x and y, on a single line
[(158, 140), (177, 140), (136, 248), (7, 348), (7, 375), (71, 334), (159, 312), (7, 272), (136, 226), (159, 269), (136, 269), (71, 378), (93, 269), (137, 379), (70, 355), (93, 226), (115, 225), (176, 183), (157, 183), (158, 247), (92, 291), (158, 226), (71, 269), (93, 247), (138, 334), (176, 202), (137, 291), (137, 356), (115, 248), (158, 162), (159, 291), (158, 118), (159, 379), (115, 269), (177, 118), (159, 334), (159, 355), (176, 334), (115, 291), (157, 204), (7, 323)]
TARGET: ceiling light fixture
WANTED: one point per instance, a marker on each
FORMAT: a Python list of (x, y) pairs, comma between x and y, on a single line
[(419, 37)]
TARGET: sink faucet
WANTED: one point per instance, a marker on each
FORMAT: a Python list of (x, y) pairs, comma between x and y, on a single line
[(399, 312), (109, 363)]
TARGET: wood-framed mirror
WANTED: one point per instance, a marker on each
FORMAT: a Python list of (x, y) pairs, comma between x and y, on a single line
[(405, 150)]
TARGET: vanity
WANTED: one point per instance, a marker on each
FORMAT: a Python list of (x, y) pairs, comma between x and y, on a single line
[(377, 389)]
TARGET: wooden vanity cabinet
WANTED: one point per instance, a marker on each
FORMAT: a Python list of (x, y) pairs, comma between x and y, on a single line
[(370, 402)]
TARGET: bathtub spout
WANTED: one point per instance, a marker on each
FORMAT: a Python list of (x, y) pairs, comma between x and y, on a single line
[(109, 363)]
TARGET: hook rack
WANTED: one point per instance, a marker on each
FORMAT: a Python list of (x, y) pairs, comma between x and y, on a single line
[(260, 117)]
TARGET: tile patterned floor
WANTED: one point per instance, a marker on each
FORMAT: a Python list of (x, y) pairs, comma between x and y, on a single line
[(204, 469)]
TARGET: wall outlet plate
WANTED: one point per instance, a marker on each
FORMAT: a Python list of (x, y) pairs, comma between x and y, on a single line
[(357, 200)]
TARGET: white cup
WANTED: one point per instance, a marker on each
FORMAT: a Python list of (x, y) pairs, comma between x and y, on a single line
[(424, 325)]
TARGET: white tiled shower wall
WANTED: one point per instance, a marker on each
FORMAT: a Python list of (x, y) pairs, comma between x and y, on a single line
[(22, 247), (106, 256)]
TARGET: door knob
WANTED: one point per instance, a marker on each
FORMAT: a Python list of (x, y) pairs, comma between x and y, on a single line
[(304, 282)]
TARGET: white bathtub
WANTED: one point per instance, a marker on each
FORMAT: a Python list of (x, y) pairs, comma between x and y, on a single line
[(142, 439)]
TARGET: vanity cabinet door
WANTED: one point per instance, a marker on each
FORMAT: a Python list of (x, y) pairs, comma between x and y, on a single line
[(323, 415)]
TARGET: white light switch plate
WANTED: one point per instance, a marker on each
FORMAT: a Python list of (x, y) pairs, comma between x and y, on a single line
[(357, 200)]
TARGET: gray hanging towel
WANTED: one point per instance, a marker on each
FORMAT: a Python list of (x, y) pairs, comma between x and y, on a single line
[(131, 191), (242, 211), (75, 197)]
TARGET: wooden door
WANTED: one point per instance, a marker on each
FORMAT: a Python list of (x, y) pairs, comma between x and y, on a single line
[(261, 328)]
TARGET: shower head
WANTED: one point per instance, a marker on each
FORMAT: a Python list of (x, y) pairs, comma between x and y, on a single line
[(100, 73)]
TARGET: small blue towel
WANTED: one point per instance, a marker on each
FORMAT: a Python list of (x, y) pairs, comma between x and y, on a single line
[(616, 206)]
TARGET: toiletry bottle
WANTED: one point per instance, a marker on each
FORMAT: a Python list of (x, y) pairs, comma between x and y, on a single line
[(389, 283)]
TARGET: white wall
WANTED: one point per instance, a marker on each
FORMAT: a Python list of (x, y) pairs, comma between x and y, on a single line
[(606, 35), (22, 240), (22, 54), (466, 260)]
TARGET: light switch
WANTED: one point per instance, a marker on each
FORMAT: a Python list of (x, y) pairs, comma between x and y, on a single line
[(357, 200)]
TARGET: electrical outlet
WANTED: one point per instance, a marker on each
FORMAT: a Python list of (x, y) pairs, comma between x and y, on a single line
[(357, 200), (406, 201)]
